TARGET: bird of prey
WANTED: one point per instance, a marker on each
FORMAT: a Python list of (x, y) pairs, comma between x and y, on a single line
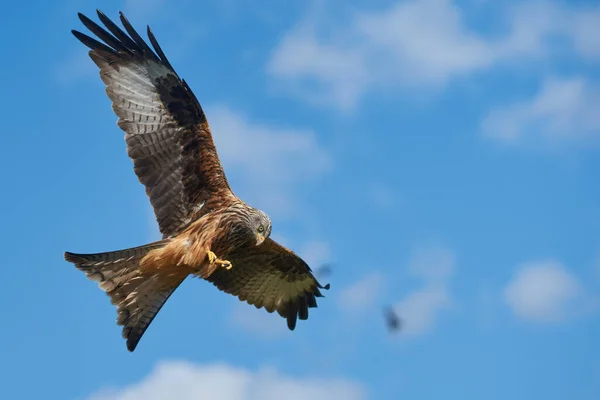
[(207, 231), (392, 320)]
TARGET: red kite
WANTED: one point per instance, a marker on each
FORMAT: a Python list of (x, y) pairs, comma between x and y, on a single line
[(207, 231)]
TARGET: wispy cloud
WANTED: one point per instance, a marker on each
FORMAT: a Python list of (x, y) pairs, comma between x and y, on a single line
[(360, 297), (583, 30), (433, 263), (319, 72), (75, 67), (421, 308), (315, 253), (258, 322), (544, 291), (187, 381), (419, 44), (268, 162), (563, 109)]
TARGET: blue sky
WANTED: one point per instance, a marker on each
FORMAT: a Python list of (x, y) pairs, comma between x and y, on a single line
[(443, 155)]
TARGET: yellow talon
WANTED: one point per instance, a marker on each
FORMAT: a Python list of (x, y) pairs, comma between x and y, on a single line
[(226, 264), (212, 257)]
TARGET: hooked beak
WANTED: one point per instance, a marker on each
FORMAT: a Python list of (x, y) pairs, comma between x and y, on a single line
[(259, 239)]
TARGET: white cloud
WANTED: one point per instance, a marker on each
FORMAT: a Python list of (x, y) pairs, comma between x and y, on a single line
[(418, 43), (183, 380), (75, 67), (433, 263), (531, 26), (315, 253), (413, 42), (258, 321), (424, 40), (421, 308), (562, 109), (358, 298), (542, 291), (302, 59), (584, 27), (269, 161)]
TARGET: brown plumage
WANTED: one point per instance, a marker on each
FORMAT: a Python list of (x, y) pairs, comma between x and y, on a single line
[(207, 231)]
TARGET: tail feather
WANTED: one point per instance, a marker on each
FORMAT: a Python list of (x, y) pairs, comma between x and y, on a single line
[(112, 268), (138, 297), (141, 307)]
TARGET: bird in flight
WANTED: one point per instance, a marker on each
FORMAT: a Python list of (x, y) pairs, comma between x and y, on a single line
[(207, 231), (392, 320)]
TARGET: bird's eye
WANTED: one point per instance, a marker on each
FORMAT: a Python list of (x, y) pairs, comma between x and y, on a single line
[(261, 229)]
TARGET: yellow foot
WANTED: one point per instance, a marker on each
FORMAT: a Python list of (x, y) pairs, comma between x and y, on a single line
[(212, 258), (225, 264)]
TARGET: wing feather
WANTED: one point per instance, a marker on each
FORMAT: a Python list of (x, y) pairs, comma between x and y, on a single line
[(166, 132), (272, 277)]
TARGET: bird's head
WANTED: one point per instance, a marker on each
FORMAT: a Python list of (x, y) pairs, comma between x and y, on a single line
[(260, 225)]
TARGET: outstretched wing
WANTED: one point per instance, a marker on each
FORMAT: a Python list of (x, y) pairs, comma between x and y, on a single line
[(272, 277), (166, 131)]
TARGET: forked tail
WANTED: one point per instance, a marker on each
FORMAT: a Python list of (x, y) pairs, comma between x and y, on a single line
[(138, 297)]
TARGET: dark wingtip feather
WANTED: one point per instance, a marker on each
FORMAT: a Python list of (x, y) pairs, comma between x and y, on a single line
[(158, 49), (291, 321), (311, 301), (137, 38), (132, 343), (102, 34), (118, 32), (84, 19), (91, 43), (292, 314), (69, 256), (74, 257), (303, 309)]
